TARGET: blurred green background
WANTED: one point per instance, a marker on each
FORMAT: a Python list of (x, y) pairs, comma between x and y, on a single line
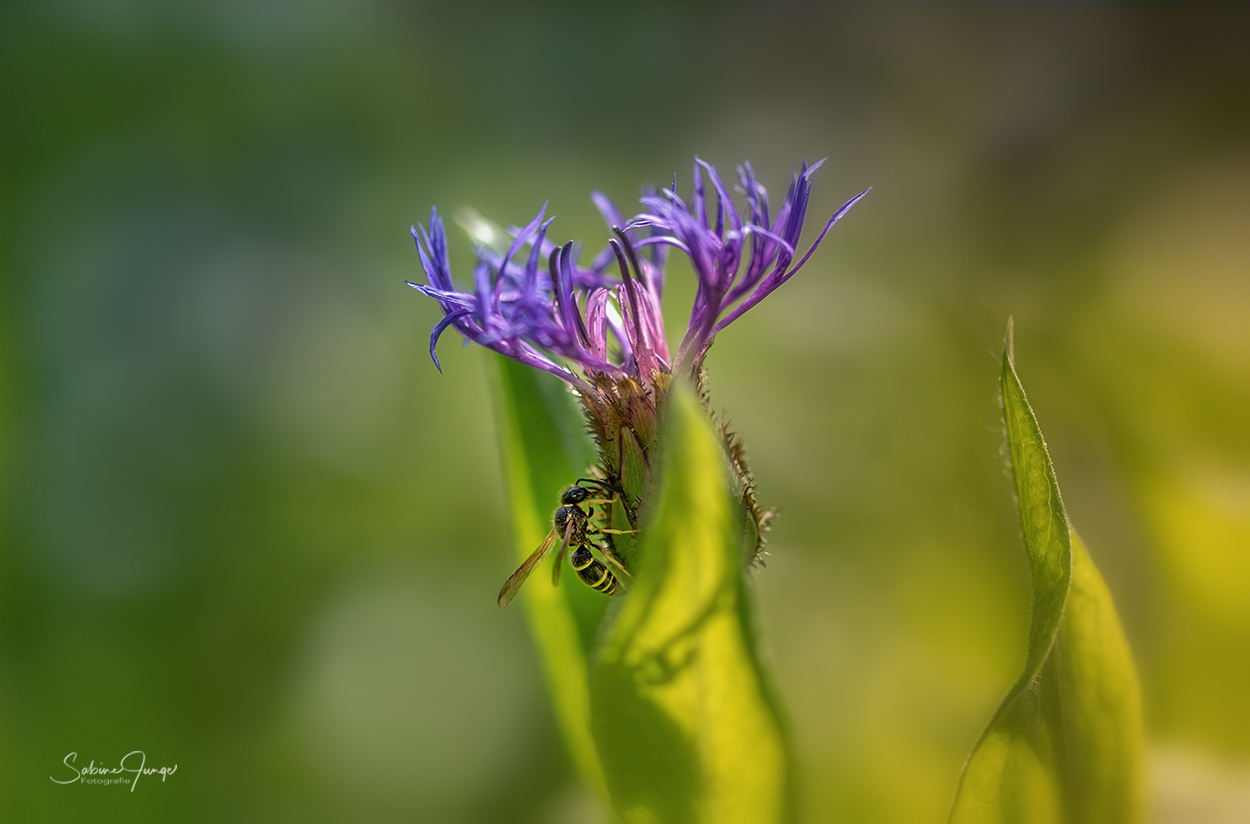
[(250, 530)]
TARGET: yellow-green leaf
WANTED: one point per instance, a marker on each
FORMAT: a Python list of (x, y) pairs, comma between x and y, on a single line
[(545, 448), (683, 714), (1066, 743)]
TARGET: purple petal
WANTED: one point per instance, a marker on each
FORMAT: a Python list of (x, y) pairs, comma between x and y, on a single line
[(611, 215), (842, 210), (455, 298), (700, 206), (523, 237), (725, 203), (596, 322), (530, 282), (663, 239), (778, 277), (439, 328), (570, 295)]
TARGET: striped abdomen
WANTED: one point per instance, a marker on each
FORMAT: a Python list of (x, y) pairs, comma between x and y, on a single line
[(593, 573)]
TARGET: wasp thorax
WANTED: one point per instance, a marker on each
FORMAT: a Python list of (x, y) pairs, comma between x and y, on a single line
[(571, 513)]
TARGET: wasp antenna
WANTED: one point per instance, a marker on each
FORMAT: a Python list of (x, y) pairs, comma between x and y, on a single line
[(596, 482)]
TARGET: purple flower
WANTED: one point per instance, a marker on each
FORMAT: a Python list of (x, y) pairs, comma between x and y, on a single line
[(599, 326), (608, 324)]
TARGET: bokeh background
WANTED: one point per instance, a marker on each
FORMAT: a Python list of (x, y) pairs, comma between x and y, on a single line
[(250, 530)]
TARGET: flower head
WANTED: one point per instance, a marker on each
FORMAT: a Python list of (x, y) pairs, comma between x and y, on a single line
[(542, 308), (599, 326)]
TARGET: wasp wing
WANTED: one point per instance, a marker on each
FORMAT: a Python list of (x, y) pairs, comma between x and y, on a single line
[(564, 545), (517, 578)]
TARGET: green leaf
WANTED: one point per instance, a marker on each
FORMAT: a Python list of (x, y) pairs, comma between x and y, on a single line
[(684, 716), (545, 448), (1066, 743)]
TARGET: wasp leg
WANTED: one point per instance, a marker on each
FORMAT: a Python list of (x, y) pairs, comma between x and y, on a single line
[(611, 557)]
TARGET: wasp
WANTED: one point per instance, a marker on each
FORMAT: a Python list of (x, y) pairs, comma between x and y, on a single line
[(571, 525)]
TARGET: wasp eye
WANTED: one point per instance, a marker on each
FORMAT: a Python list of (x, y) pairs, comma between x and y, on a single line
[(575, 494)]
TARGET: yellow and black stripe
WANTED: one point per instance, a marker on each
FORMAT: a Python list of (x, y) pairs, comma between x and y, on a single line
[(593, 573)]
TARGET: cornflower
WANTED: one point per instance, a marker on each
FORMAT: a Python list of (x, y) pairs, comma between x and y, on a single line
[(602, 332)]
